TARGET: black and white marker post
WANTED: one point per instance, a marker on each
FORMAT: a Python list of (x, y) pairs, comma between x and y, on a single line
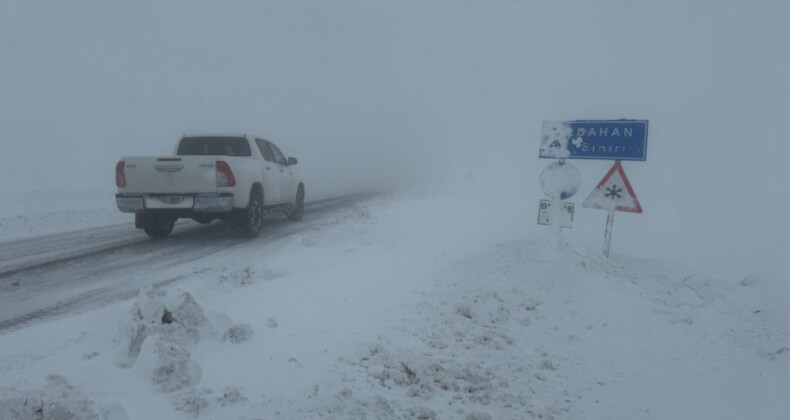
[(607, 235), (559, 181)]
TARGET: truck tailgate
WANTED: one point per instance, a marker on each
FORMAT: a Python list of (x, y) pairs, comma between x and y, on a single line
[(170, 174)]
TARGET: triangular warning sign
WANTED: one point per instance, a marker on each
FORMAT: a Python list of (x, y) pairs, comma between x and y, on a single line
[(614, 192)]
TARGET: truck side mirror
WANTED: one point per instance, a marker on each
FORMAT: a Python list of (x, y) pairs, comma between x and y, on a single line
[(292, 161)]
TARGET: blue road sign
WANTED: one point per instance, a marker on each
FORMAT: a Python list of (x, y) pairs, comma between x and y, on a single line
[(606, 139)]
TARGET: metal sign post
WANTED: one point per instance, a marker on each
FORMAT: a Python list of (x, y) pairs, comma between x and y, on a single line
[(613, 193), (607, 236), (559, 181)]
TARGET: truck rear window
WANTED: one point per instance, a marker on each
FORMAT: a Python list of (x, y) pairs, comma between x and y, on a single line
[(220, 146)]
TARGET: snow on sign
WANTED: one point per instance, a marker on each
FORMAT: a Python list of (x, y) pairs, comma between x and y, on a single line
[(560, 180), (601, 139), (614, 192)]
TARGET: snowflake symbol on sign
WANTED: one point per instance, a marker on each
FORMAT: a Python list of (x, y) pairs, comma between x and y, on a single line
[(613, 192)]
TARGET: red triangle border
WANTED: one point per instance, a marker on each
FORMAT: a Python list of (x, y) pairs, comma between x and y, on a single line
[(619, 168)]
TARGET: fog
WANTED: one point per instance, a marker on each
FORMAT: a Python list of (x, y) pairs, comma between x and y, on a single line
[(374, 95)]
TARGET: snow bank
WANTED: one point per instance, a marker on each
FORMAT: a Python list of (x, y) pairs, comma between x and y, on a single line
[(56, 400), (31, 214), (552, 329)]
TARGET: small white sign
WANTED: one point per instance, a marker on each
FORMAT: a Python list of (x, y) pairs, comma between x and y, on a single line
[(565, 217)]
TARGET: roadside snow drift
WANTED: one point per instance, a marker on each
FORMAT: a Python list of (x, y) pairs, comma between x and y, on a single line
[(57, 399), (370, 315)]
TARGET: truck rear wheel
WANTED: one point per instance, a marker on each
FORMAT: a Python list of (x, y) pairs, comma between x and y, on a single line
[(298, 211), (251, 218), (158, 226)]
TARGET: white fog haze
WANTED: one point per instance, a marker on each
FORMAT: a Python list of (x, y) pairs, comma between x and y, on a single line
[(381, 95), (423, 98)]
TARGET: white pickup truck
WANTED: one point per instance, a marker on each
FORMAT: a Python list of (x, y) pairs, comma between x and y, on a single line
[(236, 178)]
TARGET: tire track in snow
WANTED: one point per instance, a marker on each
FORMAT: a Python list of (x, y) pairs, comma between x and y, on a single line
[(52, 281)]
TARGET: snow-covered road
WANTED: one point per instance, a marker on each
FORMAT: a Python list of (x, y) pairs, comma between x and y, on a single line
[(83, 269)]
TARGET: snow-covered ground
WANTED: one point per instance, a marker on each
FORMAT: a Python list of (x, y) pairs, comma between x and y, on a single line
[(409, 306), (43, 212)]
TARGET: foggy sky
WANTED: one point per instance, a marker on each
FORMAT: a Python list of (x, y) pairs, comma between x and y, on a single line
[(386, 94)]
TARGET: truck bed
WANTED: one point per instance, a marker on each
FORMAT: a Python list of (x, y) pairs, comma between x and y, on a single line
[(171, 174)]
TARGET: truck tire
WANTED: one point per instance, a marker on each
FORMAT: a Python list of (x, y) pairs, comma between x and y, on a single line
[(298, 211), (251, 218), (158, 227)]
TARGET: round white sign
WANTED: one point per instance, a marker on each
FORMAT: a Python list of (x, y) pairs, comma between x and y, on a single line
[(560, 180)]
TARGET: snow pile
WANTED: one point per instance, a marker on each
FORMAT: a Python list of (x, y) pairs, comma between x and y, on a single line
[(56, 400), (173, 317), (163, 327), (167, 364)]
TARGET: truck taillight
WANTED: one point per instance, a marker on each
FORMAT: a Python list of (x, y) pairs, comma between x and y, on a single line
[(120, 174), (225, 176)]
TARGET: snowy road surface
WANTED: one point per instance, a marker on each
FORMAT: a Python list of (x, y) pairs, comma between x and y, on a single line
[(85, 269)]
